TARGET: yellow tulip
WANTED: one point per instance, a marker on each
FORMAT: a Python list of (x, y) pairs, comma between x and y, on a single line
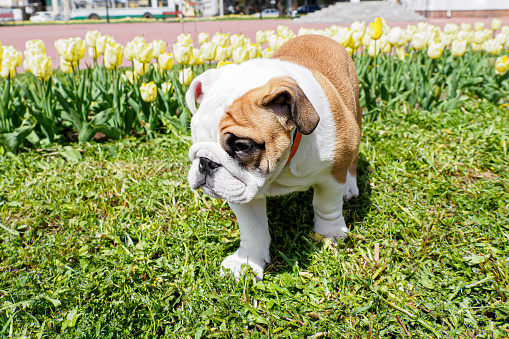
[(394, 35), (502, 65), (184, 39), (261, 37), (356, 40), (479, 37), (159, 46), (92, 53), (101, 43), (458, 47), (478, 26), (492, 47), (374, 48), (237, 41), (40, 66), (276, 41), (186, 76), (358, 26), (465, 36), (435, 50), (220, 39), (419, 41), (65, 66), (140, 68), (130, 50), (8, 69), (465, 27), (446, 39), (166, 87), (221, 53), (138, 40), (344, 37), (240, 55), (501, 38), (266, 53), (128, 77), (285, 32), (222, 63), (400, 52), (505, 29), (375, 29), (37, 45), (476, 47), (91, 38), (144, 53), (252, 50), (113, 56), (203, 38), (451, 28), (197, 58), (70, 49), (148, 91), (366, 40), (495, 24), (183, 54), (166, 61), (208, 50)]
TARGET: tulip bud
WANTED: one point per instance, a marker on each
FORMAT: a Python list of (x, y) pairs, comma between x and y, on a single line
[(358, 26), (435, 50), (65, 66), (130, 50), (458, 47), (113, 56), (183, 54), (221, 53), (91, 38), (465, 27), (394, 36), (158, 48), (419, 41), (37, 45), (375, 29), (101, 43), (145, 53), (140, 68), (451, 28), (208, 50), (478, 26), (148, 91), (186, 76), (492, 47), (221, 39), (261, 37), (252, 50), (166, 87), (166, 61), (184, 39), (267, 53), (128, 77), (203, 38), (495, 24), (197, 58), (502, 65), (237, 41), (239, 55), (400, 52), (8, 70)]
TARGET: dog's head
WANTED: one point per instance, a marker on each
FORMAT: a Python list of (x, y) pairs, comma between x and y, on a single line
[(242, 129)]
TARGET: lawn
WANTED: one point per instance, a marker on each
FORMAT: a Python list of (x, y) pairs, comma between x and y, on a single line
[(107, 240)]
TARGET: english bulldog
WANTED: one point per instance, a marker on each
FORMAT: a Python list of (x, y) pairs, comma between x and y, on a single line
[(273, 126)]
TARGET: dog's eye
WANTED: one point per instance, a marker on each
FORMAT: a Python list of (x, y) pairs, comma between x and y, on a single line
[(242, 145)]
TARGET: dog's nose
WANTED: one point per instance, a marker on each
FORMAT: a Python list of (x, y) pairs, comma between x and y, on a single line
[(207, 166)]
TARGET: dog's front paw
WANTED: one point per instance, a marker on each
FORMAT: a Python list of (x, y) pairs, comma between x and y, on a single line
[(236, 264), (335, 230)]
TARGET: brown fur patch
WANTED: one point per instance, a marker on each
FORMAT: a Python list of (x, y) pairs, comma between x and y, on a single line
[(334, 69)]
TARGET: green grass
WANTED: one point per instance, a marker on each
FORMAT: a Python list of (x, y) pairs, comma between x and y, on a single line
[(108, 241)]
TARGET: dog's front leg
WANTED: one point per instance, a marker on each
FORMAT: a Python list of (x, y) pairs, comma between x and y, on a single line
[(328, 207), (254, 239)]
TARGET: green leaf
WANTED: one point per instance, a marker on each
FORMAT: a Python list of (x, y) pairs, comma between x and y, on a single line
[(55, 302), (70, 154)]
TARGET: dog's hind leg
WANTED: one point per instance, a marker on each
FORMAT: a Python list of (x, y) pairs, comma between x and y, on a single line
[(351, 189), (328, 206)]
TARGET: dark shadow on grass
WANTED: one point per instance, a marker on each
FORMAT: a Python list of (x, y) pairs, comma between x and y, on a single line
[(291, 222)]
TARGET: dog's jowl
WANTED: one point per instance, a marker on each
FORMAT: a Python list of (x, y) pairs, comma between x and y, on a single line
[(274, 126)]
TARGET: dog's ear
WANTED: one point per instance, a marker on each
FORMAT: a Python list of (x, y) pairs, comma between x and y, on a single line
[(199, 87), (291, 106)]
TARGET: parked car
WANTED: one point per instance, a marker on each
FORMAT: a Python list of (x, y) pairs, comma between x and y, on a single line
[(267, 13), (304, 10), (44, 17)]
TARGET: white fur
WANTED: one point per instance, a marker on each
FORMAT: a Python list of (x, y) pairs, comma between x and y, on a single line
[(246, 192)]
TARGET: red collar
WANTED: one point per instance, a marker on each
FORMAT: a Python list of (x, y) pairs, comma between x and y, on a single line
[(296, 142)]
